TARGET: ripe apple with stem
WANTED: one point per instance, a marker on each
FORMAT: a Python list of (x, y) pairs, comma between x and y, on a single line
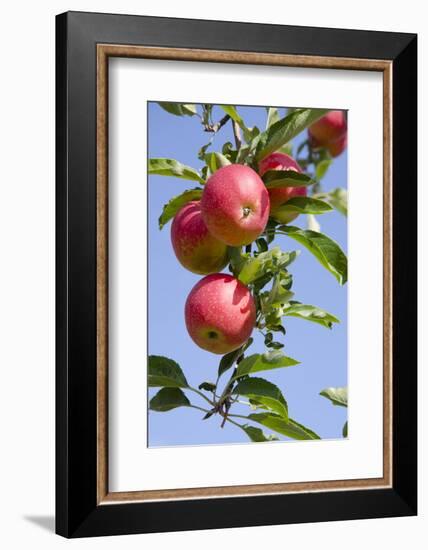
[(235, 205)]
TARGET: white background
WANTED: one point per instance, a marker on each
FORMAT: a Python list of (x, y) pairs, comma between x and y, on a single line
[(27, 274), (133, 466)]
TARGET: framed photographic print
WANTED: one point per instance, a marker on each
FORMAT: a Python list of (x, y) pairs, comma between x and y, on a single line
[(236, 274)]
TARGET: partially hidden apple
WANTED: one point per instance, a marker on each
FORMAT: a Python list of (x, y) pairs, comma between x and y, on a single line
[(235, 205), (330, 132), (337, 147), (220, 313), (280, 196), (196, 249)]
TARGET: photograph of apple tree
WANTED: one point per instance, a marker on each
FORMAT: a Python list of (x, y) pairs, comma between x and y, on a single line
[(247, 240)]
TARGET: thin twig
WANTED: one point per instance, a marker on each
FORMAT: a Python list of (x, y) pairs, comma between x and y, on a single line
[(216, 127), (199, 408), (237, 134), (202, 395)]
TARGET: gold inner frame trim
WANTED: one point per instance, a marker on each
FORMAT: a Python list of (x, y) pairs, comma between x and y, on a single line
[(104, 51)]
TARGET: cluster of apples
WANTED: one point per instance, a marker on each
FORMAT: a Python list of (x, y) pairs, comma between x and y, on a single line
[(220, 312)]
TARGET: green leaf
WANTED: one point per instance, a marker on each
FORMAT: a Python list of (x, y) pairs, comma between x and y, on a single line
[(252, 133), (276, 345), (257, 435), (263, 392), (338, 198), (310, 313), (305, 205), (242, 155), (234, 115), (338, 396), (286, 129), (279, 293), (272, 116), (322, 168), (207, 386), (289, 428), (286, 178), (205, 172), (313, 223), (165, 372), (209, 414), (268, 338), (171, 167), (236, 258), (287, 149), (262, 245), (167, 399), (173, 206), (215, 161), (179, 109), (203, 150), (278, 328), (229, 359), (229, 151), (327, 251), (252, 268), (252, 147), (345, 429), (270, 229), (266, 361)]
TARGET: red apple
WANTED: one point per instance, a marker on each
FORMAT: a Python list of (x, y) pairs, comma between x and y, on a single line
[(235, 205), (196, 249), (220, 313), (279, 196), (328, 129), (337, 147)]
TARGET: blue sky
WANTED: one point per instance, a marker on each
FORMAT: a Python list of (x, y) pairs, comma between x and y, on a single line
[(322, 352)]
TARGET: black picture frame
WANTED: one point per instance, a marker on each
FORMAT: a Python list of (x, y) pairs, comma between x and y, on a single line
[(77, 512)]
